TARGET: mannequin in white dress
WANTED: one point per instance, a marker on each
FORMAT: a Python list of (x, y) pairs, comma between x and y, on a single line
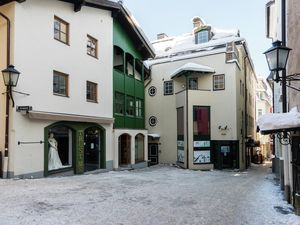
[(53, 157)]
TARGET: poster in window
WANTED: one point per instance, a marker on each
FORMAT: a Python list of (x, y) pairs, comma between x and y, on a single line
[(180, 151), (201, 157)]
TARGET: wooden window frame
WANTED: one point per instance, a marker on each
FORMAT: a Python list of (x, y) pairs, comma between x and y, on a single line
[(56, 18), (91, 38), (218, 89), (66, 81), (95, 93), (119, 104)]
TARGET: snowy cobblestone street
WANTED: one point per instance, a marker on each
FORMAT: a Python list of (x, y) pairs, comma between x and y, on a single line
[(159, 195)]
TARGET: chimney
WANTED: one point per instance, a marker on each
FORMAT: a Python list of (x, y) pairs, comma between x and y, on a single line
[(197, 22), (161, 36)]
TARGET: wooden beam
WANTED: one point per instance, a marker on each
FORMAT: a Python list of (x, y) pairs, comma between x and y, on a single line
[(78, 4)]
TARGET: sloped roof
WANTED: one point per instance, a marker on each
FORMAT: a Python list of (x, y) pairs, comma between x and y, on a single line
[(191, 67)]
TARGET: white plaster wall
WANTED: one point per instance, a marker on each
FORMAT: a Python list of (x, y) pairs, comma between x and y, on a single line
[(37, 54), (117, 133)]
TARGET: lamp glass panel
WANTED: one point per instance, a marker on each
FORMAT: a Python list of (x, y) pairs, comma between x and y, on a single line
[(14, 77), (282, 59), (272, 59), (6, 78)]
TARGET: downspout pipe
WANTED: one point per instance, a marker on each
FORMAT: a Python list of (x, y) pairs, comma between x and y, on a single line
[(7, 92)]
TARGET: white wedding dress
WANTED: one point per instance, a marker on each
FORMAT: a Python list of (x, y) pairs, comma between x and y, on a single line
[(54, 162)]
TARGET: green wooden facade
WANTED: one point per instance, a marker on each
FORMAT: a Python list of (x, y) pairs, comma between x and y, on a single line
[(125, 85)]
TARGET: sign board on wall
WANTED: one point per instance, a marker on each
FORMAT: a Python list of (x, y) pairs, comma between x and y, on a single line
[(201, 157), (201, 144)]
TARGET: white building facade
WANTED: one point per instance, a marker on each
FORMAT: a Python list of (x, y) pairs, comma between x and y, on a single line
[(64, 51), (200, 99)]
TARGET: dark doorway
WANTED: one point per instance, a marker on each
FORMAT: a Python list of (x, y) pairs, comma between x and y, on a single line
[(296, 165), (153, 154), (92, 149), (124, 149)]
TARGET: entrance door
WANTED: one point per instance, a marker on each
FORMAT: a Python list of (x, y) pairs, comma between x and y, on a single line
[(296, 165), (91, 149), (124, 149), (153, 154)]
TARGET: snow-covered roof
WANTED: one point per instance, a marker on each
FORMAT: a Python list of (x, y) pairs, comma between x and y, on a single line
[(191, 67), (272, 122), (169, 47)]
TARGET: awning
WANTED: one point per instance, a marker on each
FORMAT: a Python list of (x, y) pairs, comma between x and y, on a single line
[(154, 136), (68, 117), (191, 67), (278, 122)]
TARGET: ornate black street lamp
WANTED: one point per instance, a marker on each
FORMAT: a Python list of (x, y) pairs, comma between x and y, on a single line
[(277, 57)]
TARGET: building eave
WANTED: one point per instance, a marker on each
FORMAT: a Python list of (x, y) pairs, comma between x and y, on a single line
[(3, 2)]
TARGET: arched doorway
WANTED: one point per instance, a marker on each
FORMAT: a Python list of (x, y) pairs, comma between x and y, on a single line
[(124, 149), (92, 149)]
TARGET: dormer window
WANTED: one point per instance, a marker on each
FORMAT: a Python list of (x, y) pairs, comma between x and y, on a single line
[(202, 36)]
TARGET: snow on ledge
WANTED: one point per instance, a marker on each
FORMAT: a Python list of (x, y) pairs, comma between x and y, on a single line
[(279, 121), (192, 67)]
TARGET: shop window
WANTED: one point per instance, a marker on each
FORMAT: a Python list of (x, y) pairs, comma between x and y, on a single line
[(60, 148), (139, 148), (61, 30), (118, 59), (201, 121)]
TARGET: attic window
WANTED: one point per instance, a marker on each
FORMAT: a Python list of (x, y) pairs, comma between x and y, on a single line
[(202, 36)]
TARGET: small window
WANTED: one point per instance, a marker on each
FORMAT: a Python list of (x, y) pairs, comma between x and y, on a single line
[(119, 103), (91, 91), (60, 83), (219, 82), (152, 121), (202, 36), (129, 64), (152, 91), (139, 108), (129, 106), (168, 87), (92, 46), (193, 83), (61, 30)]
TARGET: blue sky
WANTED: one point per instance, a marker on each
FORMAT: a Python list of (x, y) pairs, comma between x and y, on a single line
[(173, 17)]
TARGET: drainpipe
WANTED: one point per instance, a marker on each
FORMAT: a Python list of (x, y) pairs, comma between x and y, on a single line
[(187, 119), (7, 96)]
